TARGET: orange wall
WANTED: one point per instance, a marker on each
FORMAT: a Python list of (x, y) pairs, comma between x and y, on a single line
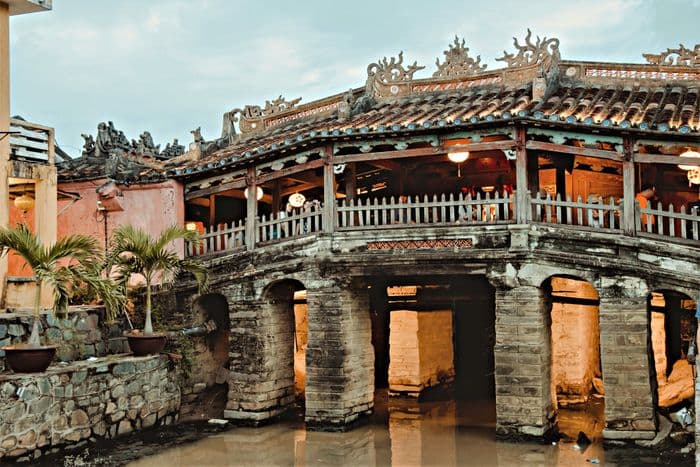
[(16, 265), (152, 207)]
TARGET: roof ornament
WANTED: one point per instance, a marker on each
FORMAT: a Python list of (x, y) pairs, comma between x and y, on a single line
[(458, 62), (530, 54), (252, 116), (682, 56), (389, 78)]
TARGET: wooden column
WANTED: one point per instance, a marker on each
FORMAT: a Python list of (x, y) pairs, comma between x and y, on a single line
[(252, 209), (350, 181), (276, 197), (560, 183), (329, 209), (522, 195), (628, 177), (212, 210), (533, 173)]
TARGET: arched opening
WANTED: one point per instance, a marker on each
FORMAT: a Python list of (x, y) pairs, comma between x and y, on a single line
[(576, 376), (433, 340), (206, 348), (672, 332), (285, 301)]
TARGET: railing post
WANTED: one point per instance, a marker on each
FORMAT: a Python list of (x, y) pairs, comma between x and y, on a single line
[(252, 209), (628, 207), (522, 198), (329, 208)]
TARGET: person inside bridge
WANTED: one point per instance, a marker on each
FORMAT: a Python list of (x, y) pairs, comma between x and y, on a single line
[(647, 192)]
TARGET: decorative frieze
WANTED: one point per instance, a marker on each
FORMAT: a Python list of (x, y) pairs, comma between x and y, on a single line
[(682, 56), (532, 54), (458, 62), (389, 78)]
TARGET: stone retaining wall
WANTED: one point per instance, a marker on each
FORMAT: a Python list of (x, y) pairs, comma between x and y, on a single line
[(83, 401)]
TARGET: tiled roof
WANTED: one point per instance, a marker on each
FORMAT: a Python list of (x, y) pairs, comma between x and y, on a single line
[(625, 106)]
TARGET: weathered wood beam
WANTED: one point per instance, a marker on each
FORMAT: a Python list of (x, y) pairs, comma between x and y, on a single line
[(205, 192), (663, 159), (329, 208), (289, 170), (552, 147), (303, 187), (251, 209), (628, 179)]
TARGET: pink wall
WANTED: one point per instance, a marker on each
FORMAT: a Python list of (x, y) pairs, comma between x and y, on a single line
[(16, 266), (153, 207)]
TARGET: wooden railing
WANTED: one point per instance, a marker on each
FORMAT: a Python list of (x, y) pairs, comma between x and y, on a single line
[(595, 213), (667, 222), (412, 211), (452, 210), (298, 223), (217, 238)]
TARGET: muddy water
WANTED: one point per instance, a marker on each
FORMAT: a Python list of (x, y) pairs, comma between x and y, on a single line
[(401, 433)]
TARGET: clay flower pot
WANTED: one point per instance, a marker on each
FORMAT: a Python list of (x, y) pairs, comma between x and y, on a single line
[(23, 358), (142, 344)]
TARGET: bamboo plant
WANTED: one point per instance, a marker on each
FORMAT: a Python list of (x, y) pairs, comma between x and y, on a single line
[(72, 260), (135, 251)]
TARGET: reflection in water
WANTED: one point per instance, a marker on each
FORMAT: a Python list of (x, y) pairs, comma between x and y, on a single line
[(401, 433)]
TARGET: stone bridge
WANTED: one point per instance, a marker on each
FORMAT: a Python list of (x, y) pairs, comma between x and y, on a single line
[(508, 265)]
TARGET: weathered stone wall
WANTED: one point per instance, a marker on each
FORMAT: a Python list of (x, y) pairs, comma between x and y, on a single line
[(340, 357), (420, 350), (522, 356), (78, 335), (104, 398), (624, 342)]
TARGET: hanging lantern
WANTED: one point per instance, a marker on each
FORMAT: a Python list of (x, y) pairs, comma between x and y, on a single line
[(24, 202), (259, 193), (693, 170), (191, 226), (458, 158), (297, 200), (690, 154)]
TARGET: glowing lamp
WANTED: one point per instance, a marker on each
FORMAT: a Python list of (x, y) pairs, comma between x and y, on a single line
[(258, 192), (191, 226), (24, 202), (458, 157), (297, 200)]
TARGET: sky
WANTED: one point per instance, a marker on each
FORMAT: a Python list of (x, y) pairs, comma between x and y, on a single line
[(169, 66)]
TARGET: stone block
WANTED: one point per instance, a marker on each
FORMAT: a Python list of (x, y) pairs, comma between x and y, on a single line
[(627, 434), (79, 418), (3, 331), (16, 330)]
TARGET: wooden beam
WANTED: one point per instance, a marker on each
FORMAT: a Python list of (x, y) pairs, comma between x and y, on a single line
[(663, 159), (351, 181), (522, 195), (251, 209), (294, 189), (552, 147), (420, 152), (212, 210), (234, 185), (290, 170), (329, 209), (628, 179)]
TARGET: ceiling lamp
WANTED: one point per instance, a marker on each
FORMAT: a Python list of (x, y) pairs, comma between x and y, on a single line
[(297, 200), (24, 202), (258, 191), (458, 158), (693, 170)]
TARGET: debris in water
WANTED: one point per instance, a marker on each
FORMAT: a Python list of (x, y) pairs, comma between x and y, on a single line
[(595, 460), (217, 421), (683, 416)]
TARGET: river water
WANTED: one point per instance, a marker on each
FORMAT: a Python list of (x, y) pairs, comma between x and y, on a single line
[(400, 433)]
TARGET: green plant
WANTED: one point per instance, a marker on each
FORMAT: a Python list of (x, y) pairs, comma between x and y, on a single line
[(75, 259), (135, 251)]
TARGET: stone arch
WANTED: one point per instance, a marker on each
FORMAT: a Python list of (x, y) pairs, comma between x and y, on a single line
[(672, 330), (576, 369)]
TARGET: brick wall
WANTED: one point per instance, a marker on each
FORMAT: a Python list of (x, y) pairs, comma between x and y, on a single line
[(340, 357), (624, 337), (420, 350), (522, 360)]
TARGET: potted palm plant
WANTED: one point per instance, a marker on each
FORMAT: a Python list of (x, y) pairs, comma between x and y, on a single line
[(135, 251), (73, 260)]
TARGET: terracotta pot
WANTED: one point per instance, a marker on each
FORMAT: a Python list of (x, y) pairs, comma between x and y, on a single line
[(141, 344), (23, 358)]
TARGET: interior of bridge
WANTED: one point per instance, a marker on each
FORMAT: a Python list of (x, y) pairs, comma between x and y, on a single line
[(672, 331), (576, 377), (433, 340)]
